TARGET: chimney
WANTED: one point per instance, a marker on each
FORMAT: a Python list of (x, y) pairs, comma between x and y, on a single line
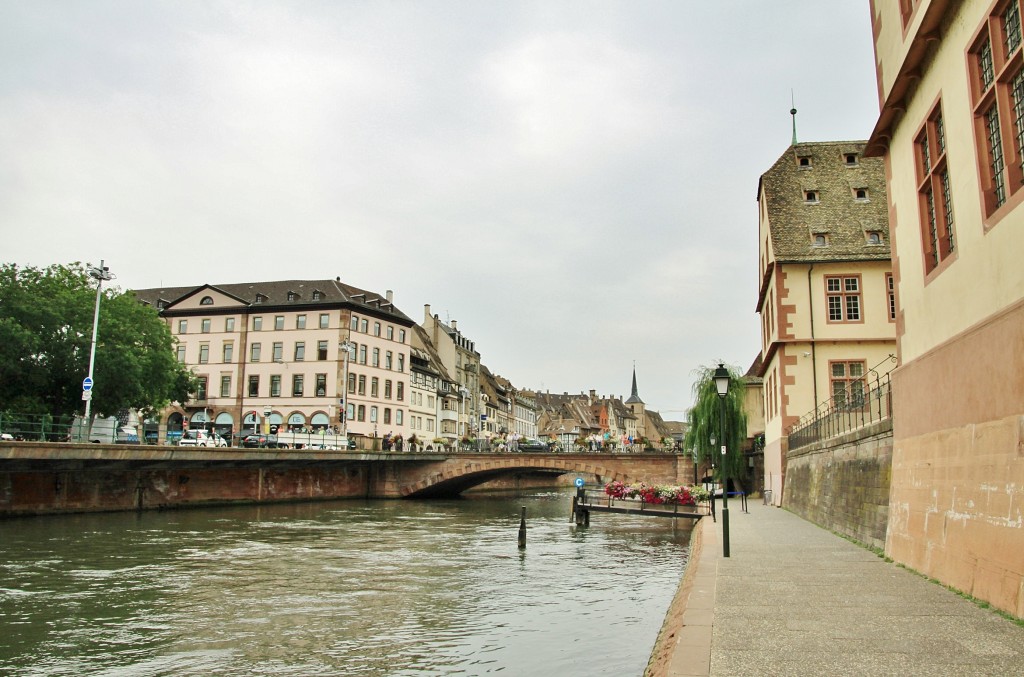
[(426, 313), (593, 394), (455, 325), (389, 295)]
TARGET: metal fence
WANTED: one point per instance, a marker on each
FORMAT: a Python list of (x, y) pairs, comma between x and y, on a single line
[(36, 427), (860, 403)]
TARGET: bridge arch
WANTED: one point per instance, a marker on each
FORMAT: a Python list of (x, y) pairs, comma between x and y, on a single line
[(457, 473)]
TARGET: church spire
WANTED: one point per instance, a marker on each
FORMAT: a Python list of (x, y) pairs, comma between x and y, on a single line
[(634, 398), (792, 111)]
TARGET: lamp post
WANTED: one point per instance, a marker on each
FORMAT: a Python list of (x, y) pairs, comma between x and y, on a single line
[(99, 274), (463, 393), (693, 452), (722, 385), (346, 347)]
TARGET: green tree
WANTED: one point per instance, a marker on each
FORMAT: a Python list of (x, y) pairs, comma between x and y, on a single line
[(45, 335), (704, 420)]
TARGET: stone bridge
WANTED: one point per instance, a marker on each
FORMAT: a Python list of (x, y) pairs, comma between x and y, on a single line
[(40, 478), (451, 474)]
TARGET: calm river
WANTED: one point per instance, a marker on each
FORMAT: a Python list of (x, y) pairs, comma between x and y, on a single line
[(340, 588)]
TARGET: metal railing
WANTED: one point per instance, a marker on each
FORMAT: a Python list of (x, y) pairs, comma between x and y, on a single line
[(863, 402), (35, 427)]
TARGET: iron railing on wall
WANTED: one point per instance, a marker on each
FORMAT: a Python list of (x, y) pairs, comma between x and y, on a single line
[(862, 402)]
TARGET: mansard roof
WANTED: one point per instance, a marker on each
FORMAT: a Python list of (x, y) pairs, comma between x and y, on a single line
[(835, 211), (276, 295)]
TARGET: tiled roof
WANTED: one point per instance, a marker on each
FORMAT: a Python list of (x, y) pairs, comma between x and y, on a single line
[(836, 213), (275, 294)]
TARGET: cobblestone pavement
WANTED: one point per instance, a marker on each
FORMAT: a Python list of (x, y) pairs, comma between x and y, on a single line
[(795, 599)]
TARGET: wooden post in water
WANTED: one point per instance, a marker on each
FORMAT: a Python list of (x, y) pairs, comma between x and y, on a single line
[(522, 529)]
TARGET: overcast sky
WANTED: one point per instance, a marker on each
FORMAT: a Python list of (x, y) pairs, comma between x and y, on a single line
[(573, 182)]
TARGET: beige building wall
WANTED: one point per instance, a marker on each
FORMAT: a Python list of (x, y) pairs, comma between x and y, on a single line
[(957, 494)]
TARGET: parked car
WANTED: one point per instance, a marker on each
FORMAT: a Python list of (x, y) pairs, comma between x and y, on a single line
[(532, 444), (259, 440), (221, 442), (197, 438)]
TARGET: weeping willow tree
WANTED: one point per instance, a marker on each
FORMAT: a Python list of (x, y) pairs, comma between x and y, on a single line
[(704, 420)]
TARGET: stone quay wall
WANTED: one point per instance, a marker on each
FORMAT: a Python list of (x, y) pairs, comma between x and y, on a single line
[(843, 483)]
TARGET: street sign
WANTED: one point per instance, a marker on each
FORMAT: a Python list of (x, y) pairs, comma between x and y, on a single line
[(86, 395), (87, 384), (483, 417), (579, 482)]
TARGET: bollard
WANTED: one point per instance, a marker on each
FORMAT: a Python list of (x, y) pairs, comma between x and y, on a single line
[(522, 529)]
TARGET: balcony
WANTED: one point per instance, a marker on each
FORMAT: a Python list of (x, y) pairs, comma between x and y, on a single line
[(449, 415)]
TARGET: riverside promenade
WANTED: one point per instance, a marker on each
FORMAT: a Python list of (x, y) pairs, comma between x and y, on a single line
[(795, 599)]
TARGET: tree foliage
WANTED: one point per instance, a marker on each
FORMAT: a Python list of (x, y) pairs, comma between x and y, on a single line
[(706, 414), (46, 320)]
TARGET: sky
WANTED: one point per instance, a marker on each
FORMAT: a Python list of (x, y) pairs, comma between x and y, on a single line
[(575, 183)]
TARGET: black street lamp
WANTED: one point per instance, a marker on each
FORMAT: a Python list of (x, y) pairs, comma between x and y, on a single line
[(722, 385)]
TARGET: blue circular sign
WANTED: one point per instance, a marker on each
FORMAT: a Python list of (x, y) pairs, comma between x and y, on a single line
[(87, 384), (579, 481)]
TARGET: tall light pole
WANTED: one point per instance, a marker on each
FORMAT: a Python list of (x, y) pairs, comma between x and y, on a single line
[(463, 393), (99, 274), (722, 385), (346, 347)]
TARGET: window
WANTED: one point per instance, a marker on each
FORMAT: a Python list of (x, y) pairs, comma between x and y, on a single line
[(225, 386), (325, 320), (362, 354), (291, 296), (398, 417), (874, 237), (352, 383), (362, 412), (848, 384), (401, 393), (201, 388), (317, 294), (260, 298), (803, 162), (182, 326), (204, 353), (254, 352), (376, 357), (860, 194), (388, 356), (254, 386), (387, 415), (205, 325), (390, 332), (206, 301), (353, 323), (350, 412), (811, 196), (257, 323), (850, 159), (376, 328), (401, 336), (181, 352), (364, 325), (997, 94), (300, 321), (401, 362), (934, 197), (374, 383), (321, 385), (373, 414), (820, 240), (300, 351), (229, 324), (387, 389), (279, 322), (228, 352), (843, 298), (297, 385), (278, 351), (321, 350), (362, 384), (890, 286), (275, 385)]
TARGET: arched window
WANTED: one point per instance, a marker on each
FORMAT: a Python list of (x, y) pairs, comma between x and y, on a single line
[(206, 301)]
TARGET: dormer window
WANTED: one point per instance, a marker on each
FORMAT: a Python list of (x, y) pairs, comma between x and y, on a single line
[(292, 296), (861, 194), (820, 240), (851, 159), (206, 301), (317, 295), (260, 298), (874, 237), (811, 196), (804, 162), (161, 304)]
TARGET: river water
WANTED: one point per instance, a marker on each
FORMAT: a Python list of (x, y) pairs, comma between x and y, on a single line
[(340, 588)]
